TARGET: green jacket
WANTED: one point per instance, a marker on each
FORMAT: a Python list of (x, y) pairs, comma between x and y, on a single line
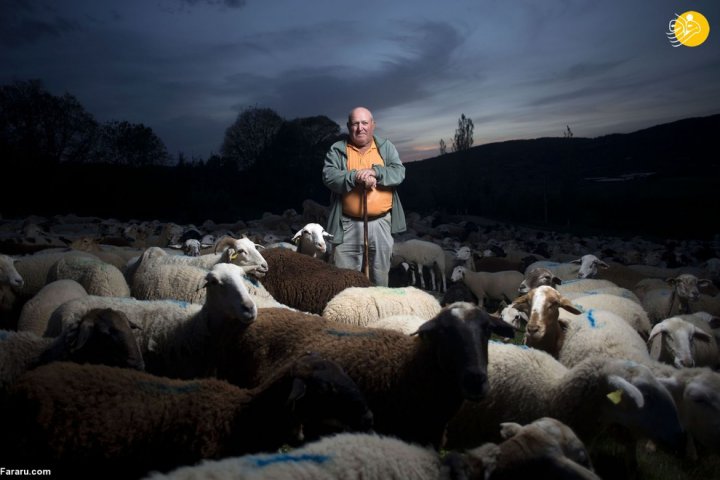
[(339, 180)]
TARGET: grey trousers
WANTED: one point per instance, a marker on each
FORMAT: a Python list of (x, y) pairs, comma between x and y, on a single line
[(349, 254)]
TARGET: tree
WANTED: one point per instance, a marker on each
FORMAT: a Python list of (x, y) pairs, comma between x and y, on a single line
[(135, 145), (464, 134), (568, 133), (253, 130), (443, 147), (38, 127)]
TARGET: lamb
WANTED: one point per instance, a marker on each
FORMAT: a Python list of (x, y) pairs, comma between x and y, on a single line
[(305, 283), (490, 286), (627, 309), (177, 339), (592, 396), (100, 336), (365, 305), (664, 303), (404, 378), (310, 240), (422, 253), (121, 423), (684, 343), (546, 447), (36, 312)]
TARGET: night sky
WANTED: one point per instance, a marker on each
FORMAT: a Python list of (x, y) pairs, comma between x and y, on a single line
[(518, 69)]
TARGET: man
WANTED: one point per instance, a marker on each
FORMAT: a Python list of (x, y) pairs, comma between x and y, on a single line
[(367, 163)]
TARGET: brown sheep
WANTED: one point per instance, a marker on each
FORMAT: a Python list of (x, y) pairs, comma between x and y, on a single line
[(414, 384), (118, 423), (306, 283)]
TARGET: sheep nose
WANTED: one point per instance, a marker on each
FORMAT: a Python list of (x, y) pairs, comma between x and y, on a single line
[(532, 329), (475, 385)]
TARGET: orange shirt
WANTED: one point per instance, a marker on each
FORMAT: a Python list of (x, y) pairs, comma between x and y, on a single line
[(379, 199)]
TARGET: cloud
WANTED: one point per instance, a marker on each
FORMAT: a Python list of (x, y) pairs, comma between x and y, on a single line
[(23, 23)]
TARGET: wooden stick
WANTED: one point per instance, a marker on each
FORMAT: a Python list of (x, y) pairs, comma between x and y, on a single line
[(366, 255)]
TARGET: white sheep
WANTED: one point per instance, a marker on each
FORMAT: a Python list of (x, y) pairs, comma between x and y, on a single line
[(583, 267), (490, 286), (34, 268), (36, 312), (629, 310), (407, 324), (123, 424), (9, 276), (176, 338), (99, 336), (526, 384), (545, 447), (423, 254), (365, 305), (310, 240), (185, 283), (684, 343), (96, 276), (10, 283)]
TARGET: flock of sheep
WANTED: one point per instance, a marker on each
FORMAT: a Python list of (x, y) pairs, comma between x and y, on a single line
[(155, 350)]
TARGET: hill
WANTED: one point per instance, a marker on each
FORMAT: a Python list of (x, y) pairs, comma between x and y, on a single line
[(657, 181)]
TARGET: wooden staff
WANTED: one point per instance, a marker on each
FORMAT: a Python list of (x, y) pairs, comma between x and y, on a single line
[(366, 256)]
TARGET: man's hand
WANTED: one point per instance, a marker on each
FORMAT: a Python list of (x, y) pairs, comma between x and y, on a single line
[(366, 177)]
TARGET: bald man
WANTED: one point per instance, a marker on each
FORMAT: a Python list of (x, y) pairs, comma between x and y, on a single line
[(364, 162)]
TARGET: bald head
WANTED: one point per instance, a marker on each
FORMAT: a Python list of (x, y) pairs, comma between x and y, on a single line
[(361, 127)]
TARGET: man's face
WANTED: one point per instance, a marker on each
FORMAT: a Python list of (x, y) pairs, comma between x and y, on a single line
[(361, 127)]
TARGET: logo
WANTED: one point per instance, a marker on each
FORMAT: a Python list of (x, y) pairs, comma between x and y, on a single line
[(689, 29)]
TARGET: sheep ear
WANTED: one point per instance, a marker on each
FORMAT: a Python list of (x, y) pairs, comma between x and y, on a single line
[(327, 235), (567, 305), (297, 236), (297, 391), (577, 260), (82, 336), (714, 322), (556, 281), (521, 299), (656, 330), (509, 429), (602, 264), (501, 327), (704, 282), (623, 387), (701, 335)]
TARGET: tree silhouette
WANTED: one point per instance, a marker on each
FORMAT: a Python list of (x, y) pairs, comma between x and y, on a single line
[(124, 143), (464, 134), (38, 127), (253, 130), (443, 147)]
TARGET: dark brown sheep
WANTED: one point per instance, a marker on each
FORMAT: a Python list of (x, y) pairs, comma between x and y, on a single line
[(414, 384), (306, 283), (110, 422)]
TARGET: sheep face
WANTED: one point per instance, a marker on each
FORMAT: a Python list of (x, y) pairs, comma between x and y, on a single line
[(311, 239), (326, 400), (673, 341), (8, 274), (102, 335), (538, 277), (458, 273), (543, 328), (245, 253), (226, 289), (589, 265), (686, 286), (460, 333)]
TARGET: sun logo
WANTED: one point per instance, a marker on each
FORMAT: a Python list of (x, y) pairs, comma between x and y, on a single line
[(690, 29)]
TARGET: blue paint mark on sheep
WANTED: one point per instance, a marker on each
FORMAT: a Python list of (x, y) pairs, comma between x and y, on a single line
[(391, 290), (252, 280), (4, 335), (289, 458), (591, 318), (180, 303), (341, 333), (166, 388)]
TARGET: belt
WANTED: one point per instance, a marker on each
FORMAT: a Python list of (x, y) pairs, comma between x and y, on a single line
[(370, 217)]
